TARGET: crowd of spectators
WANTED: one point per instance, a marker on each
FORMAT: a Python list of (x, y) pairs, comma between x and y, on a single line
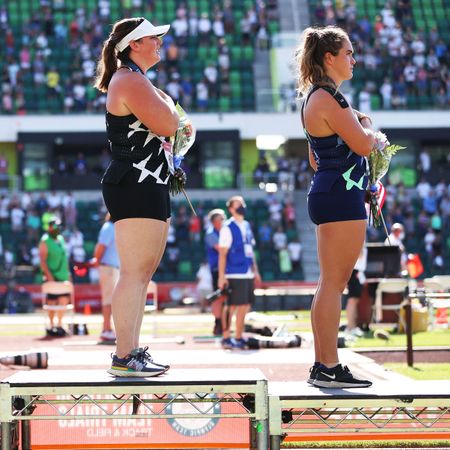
[(426, 218), (287, 173), (24, 218), (80, 164), (273, 221), (399, 63), (424, 211), (50, 61)]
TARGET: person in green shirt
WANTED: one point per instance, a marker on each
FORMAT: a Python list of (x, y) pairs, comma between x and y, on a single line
[(55, 267)]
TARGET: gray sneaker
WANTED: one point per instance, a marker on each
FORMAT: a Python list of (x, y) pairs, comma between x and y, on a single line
[(146, 355), (135, 365)]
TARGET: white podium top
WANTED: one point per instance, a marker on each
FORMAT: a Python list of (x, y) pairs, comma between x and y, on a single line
[(101, 378), (379, 389)]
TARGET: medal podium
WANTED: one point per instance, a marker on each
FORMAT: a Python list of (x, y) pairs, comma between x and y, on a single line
[(29, 397), (387, 410)]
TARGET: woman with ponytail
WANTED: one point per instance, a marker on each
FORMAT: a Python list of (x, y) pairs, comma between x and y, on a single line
[(140, 119), (340, 138)]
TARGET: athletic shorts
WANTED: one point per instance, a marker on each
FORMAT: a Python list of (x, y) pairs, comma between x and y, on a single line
[(354, 287), (242, 291), (125, 198), (335, 203), (108, 277)]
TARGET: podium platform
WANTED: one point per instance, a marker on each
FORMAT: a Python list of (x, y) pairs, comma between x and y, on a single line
[(386, 410), (24, 396)]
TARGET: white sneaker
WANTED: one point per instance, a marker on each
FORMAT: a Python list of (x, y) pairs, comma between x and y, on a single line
[(357, 332), (108, 335)]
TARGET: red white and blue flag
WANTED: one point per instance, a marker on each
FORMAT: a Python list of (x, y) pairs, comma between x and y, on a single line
[(381, 197)]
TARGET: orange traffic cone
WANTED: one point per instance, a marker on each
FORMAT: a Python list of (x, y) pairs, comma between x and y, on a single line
[(87, 309), (442, 317)]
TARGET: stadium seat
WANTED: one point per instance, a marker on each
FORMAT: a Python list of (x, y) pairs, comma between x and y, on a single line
[(224, 104), (66, 59)]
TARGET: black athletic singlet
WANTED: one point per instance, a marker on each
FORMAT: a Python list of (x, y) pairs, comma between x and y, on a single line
[(135, 183)]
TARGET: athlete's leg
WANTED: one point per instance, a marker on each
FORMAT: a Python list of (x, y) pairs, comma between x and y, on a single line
[(339, 245), (139, 243)]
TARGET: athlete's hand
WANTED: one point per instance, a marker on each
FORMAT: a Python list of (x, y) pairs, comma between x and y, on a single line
[(371, 194), (222, 283), (180, 175)]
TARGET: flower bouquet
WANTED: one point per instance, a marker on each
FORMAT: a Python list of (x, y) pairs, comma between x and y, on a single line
[(181, 142), (379, 160)]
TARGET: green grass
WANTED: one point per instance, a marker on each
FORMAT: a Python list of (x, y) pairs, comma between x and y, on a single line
[(437, 337), (422, 371), (369, 444)]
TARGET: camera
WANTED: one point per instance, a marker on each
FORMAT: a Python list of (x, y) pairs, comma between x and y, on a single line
[(36, 360), (217, 294)]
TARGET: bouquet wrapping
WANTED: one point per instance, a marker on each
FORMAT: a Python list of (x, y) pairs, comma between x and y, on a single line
[(379, 161), (182, 141)]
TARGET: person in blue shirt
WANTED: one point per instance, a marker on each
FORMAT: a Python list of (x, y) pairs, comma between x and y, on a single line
[(216, 218), (237, 270), (340, 138), (107, 261)]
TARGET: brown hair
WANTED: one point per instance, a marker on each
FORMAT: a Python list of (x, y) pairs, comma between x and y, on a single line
[(317, 41), (107, 65)]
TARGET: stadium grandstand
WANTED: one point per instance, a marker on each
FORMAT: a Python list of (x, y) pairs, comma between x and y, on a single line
[(229, 63)]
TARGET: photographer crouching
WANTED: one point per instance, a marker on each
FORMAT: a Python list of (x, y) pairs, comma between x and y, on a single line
[(237, 270)]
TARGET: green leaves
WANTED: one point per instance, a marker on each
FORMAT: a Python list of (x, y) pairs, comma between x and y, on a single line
[(393, 149)]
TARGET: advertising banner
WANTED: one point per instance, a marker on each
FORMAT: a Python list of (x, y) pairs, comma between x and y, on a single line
[(109, 430)]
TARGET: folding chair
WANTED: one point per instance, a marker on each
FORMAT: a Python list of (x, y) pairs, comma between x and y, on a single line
[(58, 288), (444, 280), (437, 295), (389, 286)]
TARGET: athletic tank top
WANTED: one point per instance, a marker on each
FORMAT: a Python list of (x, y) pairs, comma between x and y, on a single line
[(133, 145), (57, 257), (331, 154)]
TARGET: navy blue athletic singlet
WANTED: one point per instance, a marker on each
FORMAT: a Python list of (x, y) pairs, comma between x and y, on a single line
[(339, 185)]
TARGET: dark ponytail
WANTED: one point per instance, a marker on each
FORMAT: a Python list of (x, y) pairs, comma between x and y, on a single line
[(108, 63)]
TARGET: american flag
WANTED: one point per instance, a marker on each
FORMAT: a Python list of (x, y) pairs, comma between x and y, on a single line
[(380, 198)]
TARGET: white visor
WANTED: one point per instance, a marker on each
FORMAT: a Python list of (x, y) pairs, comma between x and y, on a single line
[(142, 30)]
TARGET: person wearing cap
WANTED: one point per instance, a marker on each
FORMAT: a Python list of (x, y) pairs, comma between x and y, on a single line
[(216, 218), (237, 270), (54, 261), (140, 119), (395, 238)]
